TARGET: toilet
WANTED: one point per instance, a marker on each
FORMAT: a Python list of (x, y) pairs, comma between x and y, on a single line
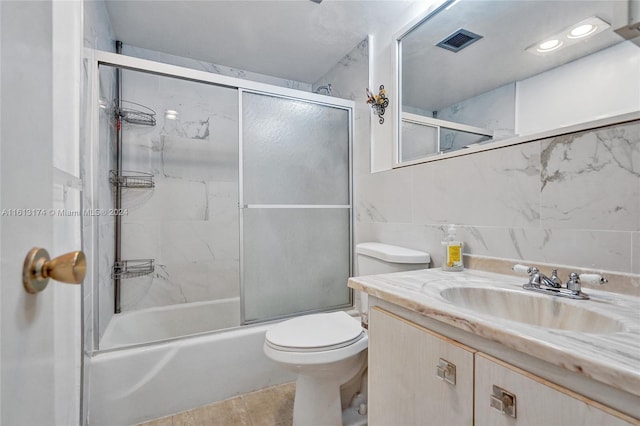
[(329, 350)]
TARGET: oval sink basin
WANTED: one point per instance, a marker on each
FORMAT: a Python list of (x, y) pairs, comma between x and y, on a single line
[(534, 309)]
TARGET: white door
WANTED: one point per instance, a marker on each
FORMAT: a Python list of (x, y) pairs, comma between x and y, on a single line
[(40, 349)]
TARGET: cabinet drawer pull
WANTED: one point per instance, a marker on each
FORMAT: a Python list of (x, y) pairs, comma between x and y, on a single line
[(446, 371), (503, 401)]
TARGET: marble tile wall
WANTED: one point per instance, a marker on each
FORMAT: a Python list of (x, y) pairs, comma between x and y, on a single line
[(569, 200), (349, 79), (98, 33)]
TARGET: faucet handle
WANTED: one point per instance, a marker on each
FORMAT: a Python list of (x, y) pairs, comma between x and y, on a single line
[(522, 269), (593, 279), (574, 283)]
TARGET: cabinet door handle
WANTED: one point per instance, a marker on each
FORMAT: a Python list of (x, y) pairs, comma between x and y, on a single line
[(503, 401), (446, 371)]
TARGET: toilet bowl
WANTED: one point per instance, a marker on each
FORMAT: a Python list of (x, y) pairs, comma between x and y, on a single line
[(324, 350)]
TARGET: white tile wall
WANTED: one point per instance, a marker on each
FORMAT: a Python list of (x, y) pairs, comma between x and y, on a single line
[(566, 200), (98, 33), (385, 197), (589, 176), (444, 194)]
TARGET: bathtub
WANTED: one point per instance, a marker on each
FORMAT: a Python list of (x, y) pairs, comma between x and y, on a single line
[(134, 384), (167, 322)]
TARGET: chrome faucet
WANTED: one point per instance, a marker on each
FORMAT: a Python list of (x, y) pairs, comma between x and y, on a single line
[(540, 283), (537, 279)]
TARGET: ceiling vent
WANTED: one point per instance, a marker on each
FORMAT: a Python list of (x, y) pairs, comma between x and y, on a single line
[(459, 40)]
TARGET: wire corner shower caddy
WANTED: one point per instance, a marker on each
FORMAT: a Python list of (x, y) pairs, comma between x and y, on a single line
[(137, 114)]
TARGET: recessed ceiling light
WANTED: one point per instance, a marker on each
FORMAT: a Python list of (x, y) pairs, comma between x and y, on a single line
[(570, 35), (171, 114), (583, 30), (549, 45)]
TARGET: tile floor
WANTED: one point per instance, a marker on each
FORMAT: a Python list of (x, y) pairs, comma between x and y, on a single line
[(267, 407)]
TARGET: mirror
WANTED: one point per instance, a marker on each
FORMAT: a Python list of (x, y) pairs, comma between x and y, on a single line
[(480, 71)]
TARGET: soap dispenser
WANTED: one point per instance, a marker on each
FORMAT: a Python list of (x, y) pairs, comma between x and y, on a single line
[(452, 260)]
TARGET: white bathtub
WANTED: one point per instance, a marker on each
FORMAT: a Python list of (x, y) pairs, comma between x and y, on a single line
[(166, 322), (131, 385)]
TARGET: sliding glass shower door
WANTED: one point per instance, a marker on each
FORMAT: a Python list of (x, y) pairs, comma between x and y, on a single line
[(295, 206)]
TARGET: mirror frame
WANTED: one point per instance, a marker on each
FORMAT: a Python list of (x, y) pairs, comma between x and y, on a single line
[(434, 9)]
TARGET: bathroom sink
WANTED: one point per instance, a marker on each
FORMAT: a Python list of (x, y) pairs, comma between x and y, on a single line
[(534, 309)]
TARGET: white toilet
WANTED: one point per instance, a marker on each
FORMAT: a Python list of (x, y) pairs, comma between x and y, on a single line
[(328, 350)]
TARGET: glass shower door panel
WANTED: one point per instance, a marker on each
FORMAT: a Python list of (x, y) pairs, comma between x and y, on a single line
[(297, 214), (295, 152), (179, 188), (295, 260)]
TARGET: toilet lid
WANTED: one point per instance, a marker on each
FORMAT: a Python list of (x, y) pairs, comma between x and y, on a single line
[(314, 332)]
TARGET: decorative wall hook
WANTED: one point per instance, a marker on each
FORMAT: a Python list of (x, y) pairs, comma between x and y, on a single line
[(378, 102)]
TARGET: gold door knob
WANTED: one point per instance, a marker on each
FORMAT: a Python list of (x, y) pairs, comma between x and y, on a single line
[(69, 268)]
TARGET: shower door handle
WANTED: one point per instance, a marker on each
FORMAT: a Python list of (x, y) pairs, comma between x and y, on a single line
[(69, 268)]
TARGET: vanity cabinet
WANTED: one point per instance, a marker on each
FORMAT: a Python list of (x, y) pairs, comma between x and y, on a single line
[(408, 370), (404, 362), (531, 399)]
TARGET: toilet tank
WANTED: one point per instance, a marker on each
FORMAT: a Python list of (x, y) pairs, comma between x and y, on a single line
[(378, 258)]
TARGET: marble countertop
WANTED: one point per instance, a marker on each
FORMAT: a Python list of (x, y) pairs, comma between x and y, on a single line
[(612, 358)]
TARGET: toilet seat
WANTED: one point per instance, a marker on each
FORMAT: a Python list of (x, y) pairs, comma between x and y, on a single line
[(316, 332), (318, 348)]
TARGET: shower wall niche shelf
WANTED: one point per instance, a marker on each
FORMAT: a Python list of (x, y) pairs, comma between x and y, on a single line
[(132, 268), (131, 179)]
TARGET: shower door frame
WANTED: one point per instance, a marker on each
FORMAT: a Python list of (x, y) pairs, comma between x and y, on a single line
[(95, 58)]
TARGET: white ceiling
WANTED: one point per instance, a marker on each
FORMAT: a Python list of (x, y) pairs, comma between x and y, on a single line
[(293, 39)]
